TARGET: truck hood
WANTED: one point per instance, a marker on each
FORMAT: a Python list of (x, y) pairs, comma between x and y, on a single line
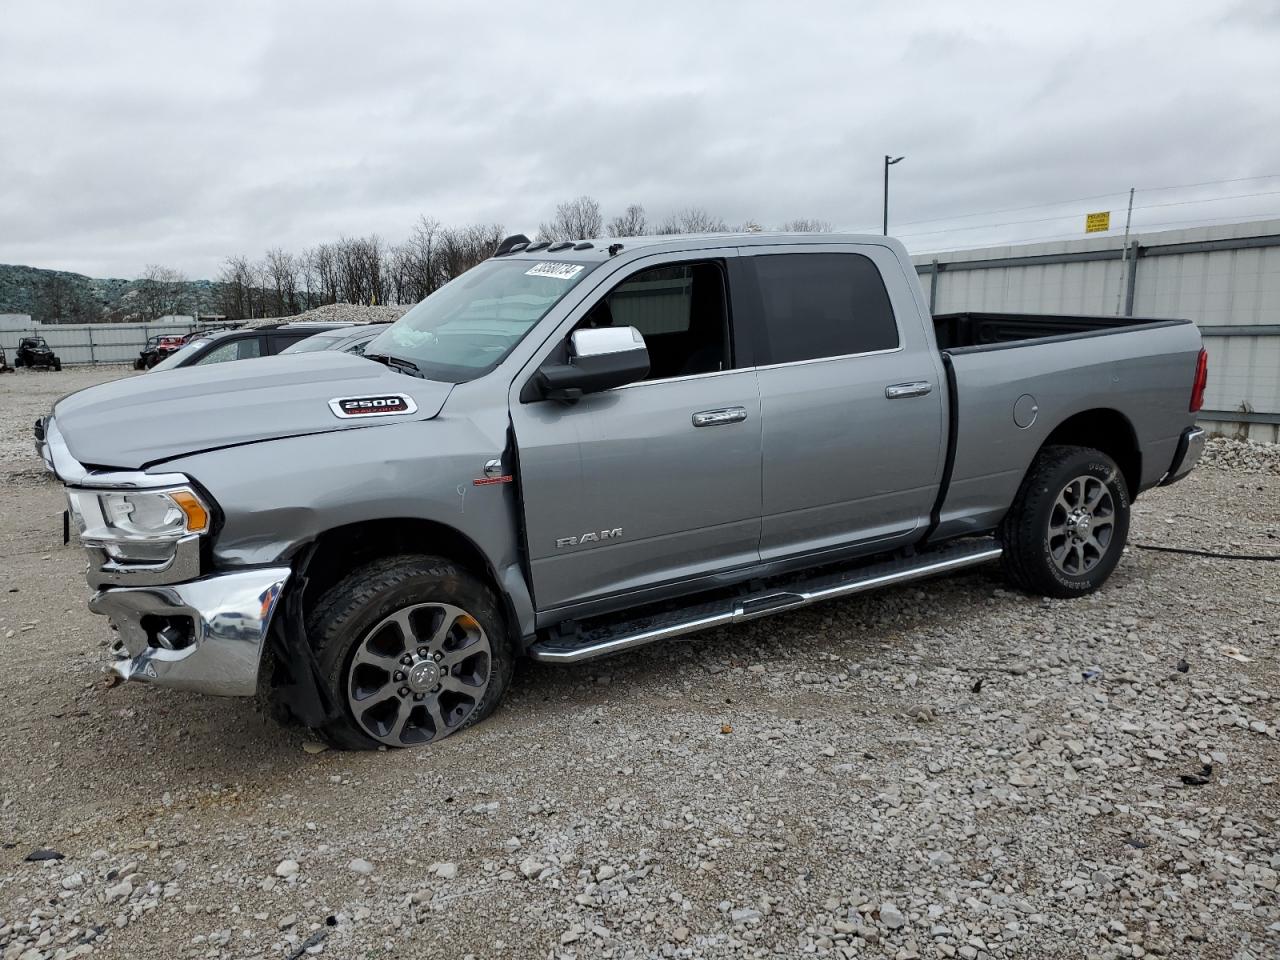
[(135, 422)]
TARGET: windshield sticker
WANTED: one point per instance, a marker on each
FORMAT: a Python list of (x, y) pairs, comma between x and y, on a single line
[(557, 271)]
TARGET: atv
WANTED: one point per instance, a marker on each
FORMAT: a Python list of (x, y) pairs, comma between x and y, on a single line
[(157, 348), (34, 352)]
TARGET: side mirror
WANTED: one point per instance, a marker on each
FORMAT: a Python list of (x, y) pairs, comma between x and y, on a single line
[(601, 358)]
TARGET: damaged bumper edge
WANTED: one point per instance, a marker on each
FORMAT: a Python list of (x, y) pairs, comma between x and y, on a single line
[(205, 635), (1190, 446)]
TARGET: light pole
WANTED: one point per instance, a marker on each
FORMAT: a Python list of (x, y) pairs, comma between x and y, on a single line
[(888, 162)]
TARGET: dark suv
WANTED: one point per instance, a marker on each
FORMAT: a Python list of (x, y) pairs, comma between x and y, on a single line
[(242, 344)]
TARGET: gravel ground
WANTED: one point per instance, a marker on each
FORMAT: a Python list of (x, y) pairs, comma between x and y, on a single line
[(342, 313), (946, 770), (28, 394)]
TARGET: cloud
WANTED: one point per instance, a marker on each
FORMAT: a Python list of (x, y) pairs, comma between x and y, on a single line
[(159, 132)]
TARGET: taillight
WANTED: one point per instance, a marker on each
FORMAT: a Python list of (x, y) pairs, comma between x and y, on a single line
[(1202, 378)]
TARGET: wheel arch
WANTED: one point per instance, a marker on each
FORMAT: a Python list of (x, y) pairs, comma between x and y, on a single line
[(338, 550), (1108, 430)]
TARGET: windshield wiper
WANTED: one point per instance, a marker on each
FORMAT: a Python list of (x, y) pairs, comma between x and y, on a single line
[(396, 363)]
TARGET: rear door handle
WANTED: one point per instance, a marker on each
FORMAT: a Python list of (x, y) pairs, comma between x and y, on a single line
[(714, 418), (916, 388)]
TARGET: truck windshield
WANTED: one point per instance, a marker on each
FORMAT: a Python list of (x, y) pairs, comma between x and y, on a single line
[(466, 328)]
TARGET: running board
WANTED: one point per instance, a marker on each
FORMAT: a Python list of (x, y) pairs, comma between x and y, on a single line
[(609, 638)]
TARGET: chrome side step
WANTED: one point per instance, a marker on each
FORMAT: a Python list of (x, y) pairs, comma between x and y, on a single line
[(609, 638)]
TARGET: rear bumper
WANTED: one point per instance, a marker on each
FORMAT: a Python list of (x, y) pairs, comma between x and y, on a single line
[(1190, 446), (217, 628)]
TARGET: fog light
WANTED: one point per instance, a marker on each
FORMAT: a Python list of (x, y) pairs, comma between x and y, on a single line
[(169, 633)]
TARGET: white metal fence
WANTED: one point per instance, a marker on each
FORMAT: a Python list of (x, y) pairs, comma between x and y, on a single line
[(92, 342), (1226, 278)]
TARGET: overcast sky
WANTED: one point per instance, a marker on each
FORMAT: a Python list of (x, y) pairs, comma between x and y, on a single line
[(175, 133)]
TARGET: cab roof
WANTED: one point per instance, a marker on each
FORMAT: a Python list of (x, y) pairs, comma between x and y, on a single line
[(597, 249)]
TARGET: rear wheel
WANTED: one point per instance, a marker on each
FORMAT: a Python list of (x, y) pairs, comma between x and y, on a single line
[(413, 648), (1068, 525)]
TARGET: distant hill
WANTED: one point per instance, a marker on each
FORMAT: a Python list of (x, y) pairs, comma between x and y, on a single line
[(56, 295)]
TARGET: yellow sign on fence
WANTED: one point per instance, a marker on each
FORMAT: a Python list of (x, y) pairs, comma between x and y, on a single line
[(1097, 222)]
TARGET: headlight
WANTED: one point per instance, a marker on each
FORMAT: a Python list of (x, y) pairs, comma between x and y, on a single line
[(139, 526), (169, 513)]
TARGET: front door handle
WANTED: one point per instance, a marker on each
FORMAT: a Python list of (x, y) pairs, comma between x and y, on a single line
[(916, 388), (713, 418)]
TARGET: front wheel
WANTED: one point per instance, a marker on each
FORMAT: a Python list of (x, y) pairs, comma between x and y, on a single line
[(413, 648), (1068, 525)]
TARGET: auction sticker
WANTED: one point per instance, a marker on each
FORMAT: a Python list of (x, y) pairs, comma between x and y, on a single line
[(557, 271)]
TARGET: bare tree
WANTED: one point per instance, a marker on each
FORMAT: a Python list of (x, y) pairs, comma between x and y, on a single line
[(692, 220), (423, 250), (308, 279), (632, 223), (281, 270), (162, 291), (232, 284), (462, 248), (574, 220), (324, 266), (804, 225)]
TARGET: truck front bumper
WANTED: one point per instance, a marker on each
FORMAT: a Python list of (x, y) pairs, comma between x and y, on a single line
[(1190, 446), (205, 635)]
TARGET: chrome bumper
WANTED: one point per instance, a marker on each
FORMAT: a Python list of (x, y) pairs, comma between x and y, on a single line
[(228, 616), (1190, 446), (42, 444)]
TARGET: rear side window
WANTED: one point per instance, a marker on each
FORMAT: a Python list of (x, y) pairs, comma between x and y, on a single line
[(280, 341), (235, 350), (823, 305)]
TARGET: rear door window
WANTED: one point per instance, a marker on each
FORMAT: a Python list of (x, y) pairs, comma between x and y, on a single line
[(240, 349), (818, 305), (279, 341)]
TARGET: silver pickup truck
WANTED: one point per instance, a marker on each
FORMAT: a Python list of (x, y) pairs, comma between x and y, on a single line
[(580, 448)]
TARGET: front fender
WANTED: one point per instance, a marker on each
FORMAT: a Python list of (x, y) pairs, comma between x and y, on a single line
[(277, 496)]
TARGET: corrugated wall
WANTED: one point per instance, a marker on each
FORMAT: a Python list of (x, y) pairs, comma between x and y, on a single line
[(1225, 277), (89, 342)]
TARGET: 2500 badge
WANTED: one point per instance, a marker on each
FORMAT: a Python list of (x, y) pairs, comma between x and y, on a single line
[(350, 408)]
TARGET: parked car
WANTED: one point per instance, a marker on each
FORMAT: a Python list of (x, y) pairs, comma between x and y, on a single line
[(577, 449), (157, 348), (242, 344), (34, 352), (347, 340)]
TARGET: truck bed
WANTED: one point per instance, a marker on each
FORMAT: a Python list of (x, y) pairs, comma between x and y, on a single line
[(1135, 372), (971, 330)]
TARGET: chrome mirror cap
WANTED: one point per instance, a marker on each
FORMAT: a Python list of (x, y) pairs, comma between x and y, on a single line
[(598, 341)]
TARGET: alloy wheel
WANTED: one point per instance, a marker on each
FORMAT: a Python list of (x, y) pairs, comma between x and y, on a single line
[(418, 674), (1081, 525)]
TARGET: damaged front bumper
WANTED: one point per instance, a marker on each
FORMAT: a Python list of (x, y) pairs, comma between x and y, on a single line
[(205, 635)]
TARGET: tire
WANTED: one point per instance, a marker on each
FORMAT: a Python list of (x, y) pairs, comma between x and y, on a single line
[(358, 631), (1068, 525), (57, 365)]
